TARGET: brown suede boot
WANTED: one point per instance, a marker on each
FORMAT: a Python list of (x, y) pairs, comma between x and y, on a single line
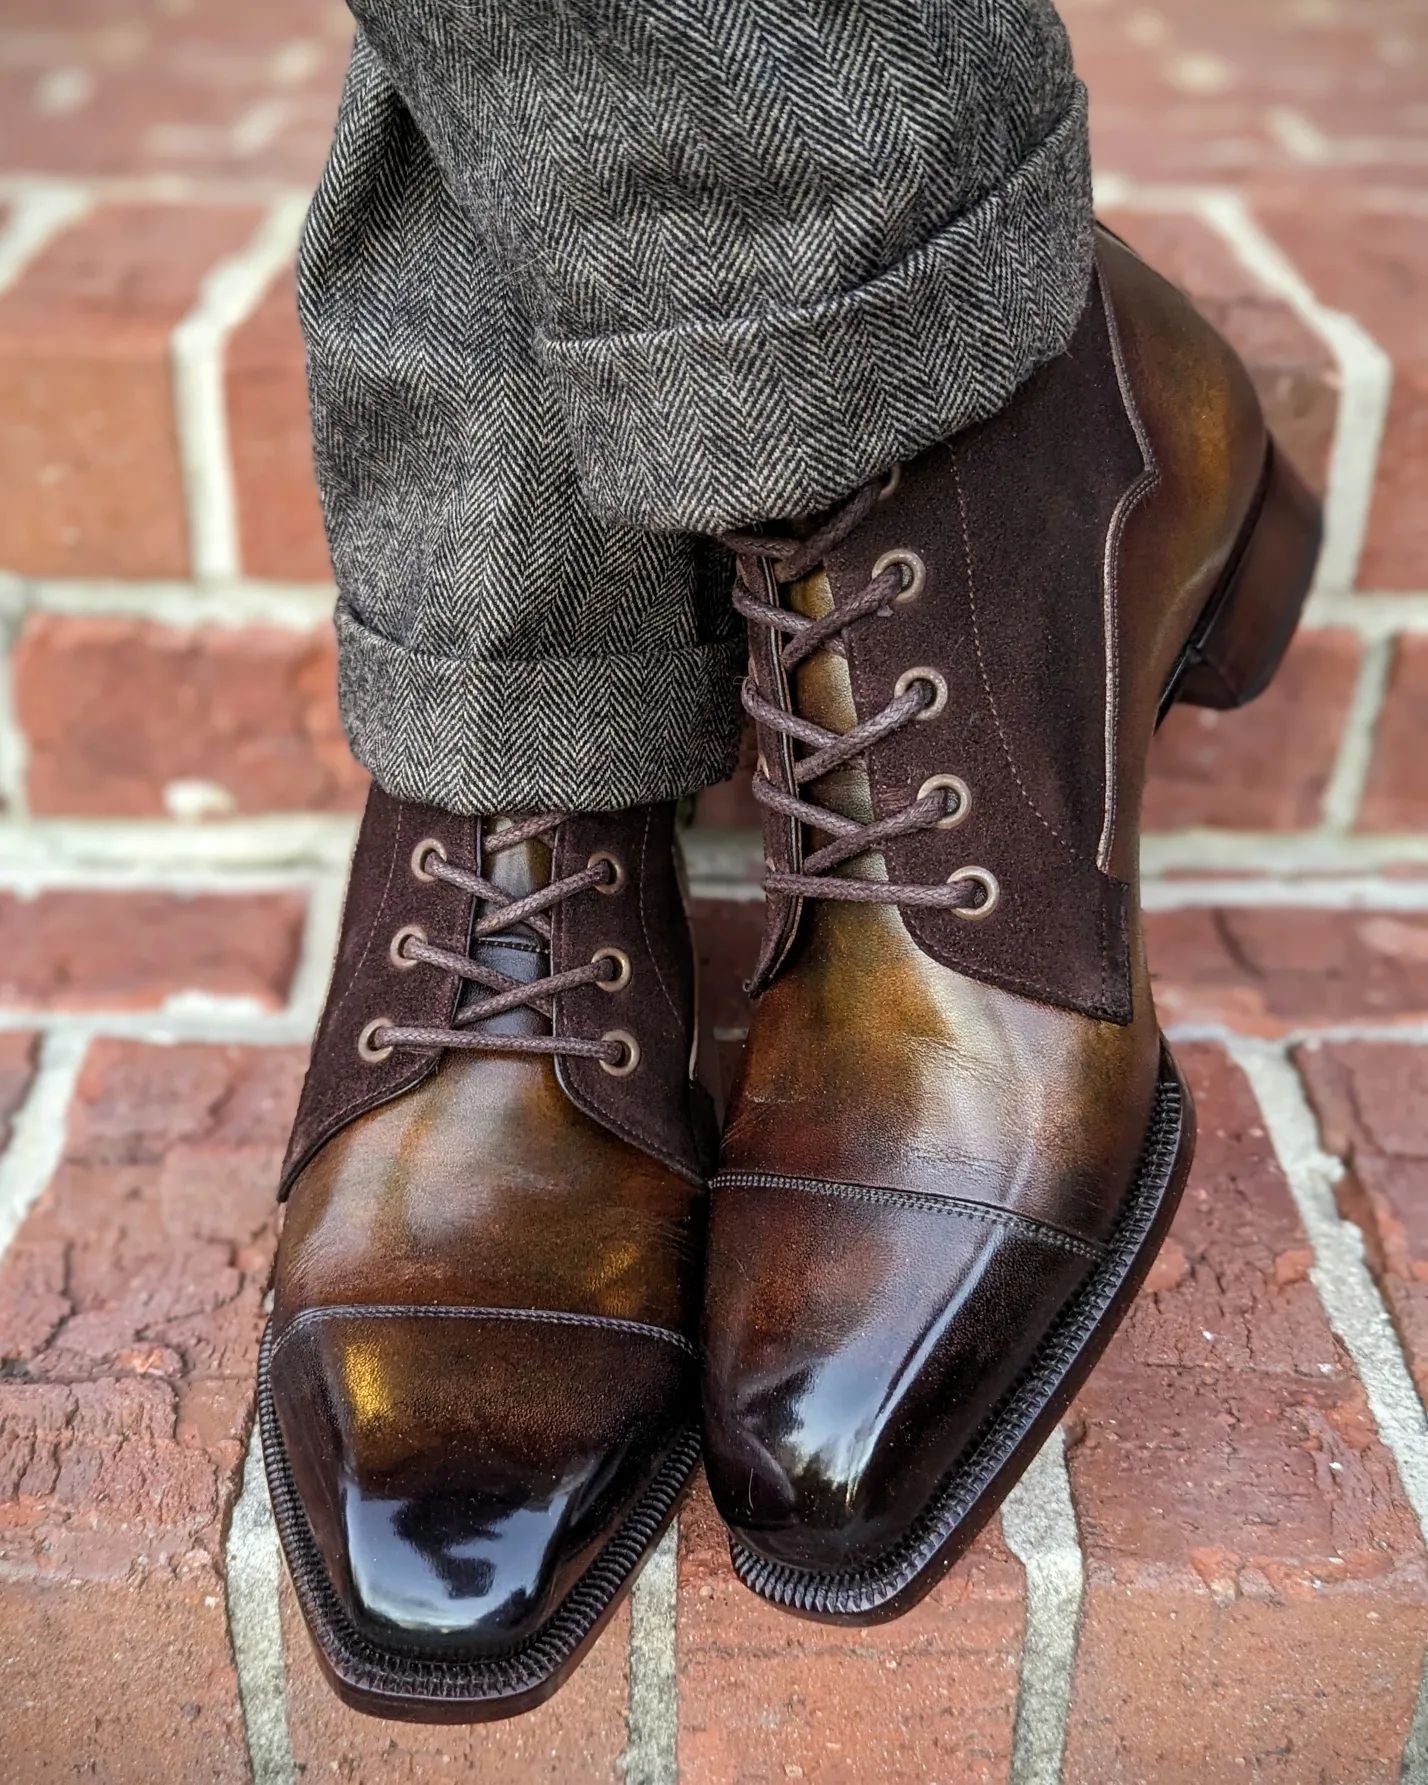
[(479, 1388), (959, 1136)]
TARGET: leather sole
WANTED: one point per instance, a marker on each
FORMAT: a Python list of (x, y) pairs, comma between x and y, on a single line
[(391, 1682), (1233, 651), (1024, 1418)]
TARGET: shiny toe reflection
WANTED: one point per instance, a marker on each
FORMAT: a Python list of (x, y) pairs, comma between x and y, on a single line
[(844, 1384), (460, 1475)]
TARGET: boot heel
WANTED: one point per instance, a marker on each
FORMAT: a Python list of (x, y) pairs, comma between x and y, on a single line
[(1244, 634)]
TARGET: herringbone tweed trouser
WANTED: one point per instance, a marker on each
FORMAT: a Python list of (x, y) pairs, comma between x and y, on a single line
[(586, 281)]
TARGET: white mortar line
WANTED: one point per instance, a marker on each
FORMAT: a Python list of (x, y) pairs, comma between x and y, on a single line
[(1415, 1749), (1365, 386), (188, 1017), (228, 295), (1352, 1301), (1412, 1032), (319, 950), (1340, 1272), (1344, 793), (1281, 853), (307, 840), (1039, 1524), (1301, 868), (39, 1130), (242, 600), (732, 863), (1326, 893), (233, 604), (255, 1624), (157, 189), (14, 751), (651, 1755), (29, 878), (39, 213), (1372, 613)]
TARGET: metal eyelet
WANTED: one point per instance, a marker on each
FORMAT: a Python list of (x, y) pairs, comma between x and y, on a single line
[(890, 484), (608, 886), (991, 892), (625, 1066), (623, 973), (427, 846), (948, 784), (366, 1050), (396, 950), (921, 673), (908, 561)]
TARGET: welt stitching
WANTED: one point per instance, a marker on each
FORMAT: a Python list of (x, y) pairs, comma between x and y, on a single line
[(639, 1329), (880, 1197)]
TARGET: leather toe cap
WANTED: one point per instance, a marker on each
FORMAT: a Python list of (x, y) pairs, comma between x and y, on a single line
[(462, 1469), (855, 1342)]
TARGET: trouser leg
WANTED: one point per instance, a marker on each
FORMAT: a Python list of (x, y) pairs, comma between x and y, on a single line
[(769, 247), (501, 647)]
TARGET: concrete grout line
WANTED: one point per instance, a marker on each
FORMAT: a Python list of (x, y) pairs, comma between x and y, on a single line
[(252, 1574), (1365, 386), (157, 189), (308, 989), (1352, 1301), (158, 846), (1340, 1273), (1344, 794), (1333, 892), (1039, 1524), (228, 295), (172, 869), (40, 210), (1206, 850), (187, 1017), (39, 1130), (1414, 1770), (651, 1755), (228, 602), (14, 749), (241, 600)]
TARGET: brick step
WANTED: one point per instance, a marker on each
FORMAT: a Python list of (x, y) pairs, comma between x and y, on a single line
[(1237, 1530)]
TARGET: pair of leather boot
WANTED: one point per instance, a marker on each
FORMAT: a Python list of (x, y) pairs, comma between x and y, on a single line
[(522, 1279)]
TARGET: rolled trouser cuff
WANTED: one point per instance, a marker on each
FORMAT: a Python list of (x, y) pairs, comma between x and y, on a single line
[(583, 734), (721, 423)]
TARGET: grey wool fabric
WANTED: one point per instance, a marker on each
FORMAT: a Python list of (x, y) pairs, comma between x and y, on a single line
[(588, 281)]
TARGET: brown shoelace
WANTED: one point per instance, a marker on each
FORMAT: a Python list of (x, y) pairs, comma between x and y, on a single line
[(943, 799), (503, 913)]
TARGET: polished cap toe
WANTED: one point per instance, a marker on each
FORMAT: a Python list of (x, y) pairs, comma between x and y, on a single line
[(461, 1469), (855, 1342)]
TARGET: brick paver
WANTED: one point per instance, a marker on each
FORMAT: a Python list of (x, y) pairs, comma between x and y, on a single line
[(763, 1696), (1254, 1589), (83, 950), (129, 718), (1372, 1103)]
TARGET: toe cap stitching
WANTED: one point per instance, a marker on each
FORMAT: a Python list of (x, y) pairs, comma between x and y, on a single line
[(910, 1199), (639, 1329)]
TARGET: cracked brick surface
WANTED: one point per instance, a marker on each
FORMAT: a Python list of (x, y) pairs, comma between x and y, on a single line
[(1371, 1099), (1256, 1592), (130, 1309), (1250, 1553)]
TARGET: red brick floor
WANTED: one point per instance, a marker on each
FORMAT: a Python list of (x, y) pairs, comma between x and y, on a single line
[(1217, 1572)]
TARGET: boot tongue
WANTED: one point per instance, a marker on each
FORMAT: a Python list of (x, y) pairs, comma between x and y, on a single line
[(519, 952), (822, 691)]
